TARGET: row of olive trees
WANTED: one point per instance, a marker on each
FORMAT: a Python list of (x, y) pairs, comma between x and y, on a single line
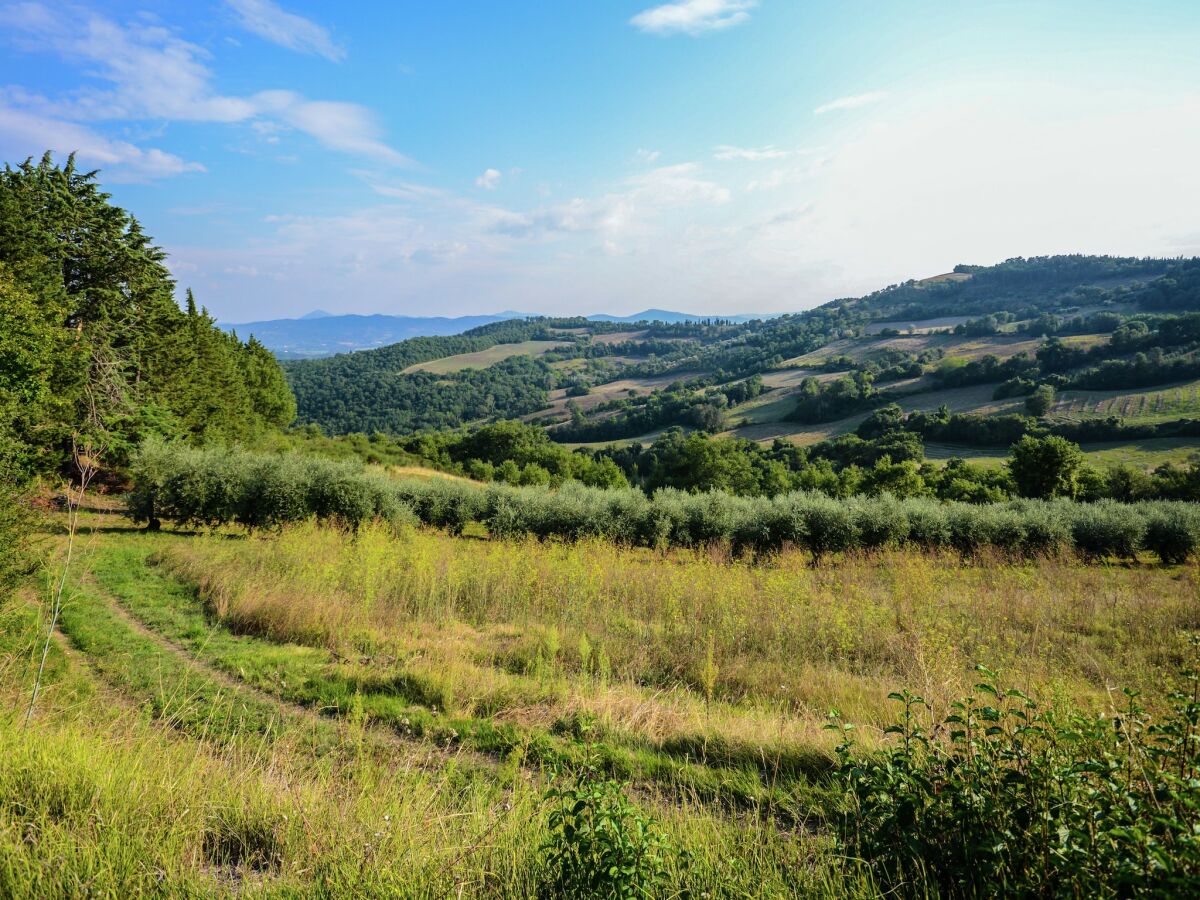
[(215, 487), (812, 521), (210, 487)]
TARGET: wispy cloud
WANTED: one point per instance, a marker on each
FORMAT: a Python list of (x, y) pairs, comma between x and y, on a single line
[(277, 25), (693, 16), (23, 133), (750, 154), (489, 180), (852, 102), (647, 156), (347, 127), (147, 72)]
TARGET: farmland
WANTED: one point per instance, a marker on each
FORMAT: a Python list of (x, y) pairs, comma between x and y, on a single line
[(483, 358)]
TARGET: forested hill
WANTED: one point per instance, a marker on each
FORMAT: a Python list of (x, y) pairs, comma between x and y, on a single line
[(95, 351), (547, 366)]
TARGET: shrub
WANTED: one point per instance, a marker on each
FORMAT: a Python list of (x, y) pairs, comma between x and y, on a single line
[(1107, 529), (1017, 800), (600, 845), (879, 522), (928, 524), (19, 553), (217, 486), (828, 526), (1173, 532)]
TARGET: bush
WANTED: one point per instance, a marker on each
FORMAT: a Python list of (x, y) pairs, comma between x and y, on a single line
[(1173, 532), (829, 526), (879, 522), (1107, 529), (1017, 800), (19, 553), (600, 845), (214, 487)]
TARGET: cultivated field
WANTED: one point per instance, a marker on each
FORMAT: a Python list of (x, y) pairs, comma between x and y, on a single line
[(1156, 404), (483, 358)]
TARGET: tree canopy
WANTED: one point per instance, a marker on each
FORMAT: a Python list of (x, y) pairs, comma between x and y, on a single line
[(94, 347)]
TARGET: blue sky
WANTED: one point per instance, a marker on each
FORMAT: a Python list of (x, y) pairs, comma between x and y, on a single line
[(713, 156)]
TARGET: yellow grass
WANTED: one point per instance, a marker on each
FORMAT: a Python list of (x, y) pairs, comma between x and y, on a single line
[(532, 632)]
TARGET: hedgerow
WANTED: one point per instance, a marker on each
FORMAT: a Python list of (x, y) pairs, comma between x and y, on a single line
[(214, 487)]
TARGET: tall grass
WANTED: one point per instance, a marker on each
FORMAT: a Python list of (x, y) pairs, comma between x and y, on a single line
[(530, 629)]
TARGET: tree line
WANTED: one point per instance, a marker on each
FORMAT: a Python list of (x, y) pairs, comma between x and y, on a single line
[(95, 351), (214, 488)]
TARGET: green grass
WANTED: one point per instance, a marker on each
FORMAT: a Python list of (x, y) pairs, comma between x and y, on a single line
[(1145, 406), (313, 713), (149, 776), (414, 705)]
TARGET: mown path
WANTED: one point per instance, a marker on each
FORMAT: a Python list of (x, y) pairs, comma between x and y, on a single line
[(152, 637), (139, 666)]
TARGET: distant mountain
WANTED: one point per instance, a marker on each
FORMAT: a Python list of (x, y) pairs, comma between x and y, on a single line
[(666, 315), (321, 334)]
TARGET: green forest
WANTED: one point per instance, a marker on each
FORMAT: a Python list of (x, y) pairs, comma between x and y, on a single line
[(96, 354)]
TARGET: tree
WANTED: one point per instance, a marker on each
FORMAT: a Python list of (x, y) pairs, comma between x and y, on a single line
[(1041, 401), (1045, 467), (94, 349)]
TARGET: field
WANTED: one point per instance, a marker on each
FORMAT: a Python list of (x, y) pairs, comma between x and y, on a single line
[(1156, 404), (314, 711), (483, 358)]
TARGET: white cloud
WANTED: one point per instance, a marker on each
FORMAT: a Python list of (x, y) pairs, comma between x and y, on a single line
[(853, 102), (647, 156), (693, 17), (341, 126), (749, 154), (23, 134), (153, 74), (489, 180), (277, 25)]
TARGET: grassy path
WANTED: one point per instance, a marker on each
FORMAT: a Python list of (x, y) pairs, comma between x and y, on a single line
[(265, 685)]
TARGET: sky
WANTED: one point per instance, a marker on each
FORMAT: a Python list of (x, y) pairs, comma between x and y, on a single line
[(709, 156)]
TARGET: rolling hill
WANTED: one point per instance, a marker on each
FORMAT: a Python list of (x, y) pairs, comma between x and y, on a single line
[(949, 340)]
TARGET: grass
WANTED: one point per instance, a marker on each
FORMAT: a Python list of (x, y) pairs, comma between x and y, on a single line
[(135, 778), (315, 712), (481, 359), (532, 632)]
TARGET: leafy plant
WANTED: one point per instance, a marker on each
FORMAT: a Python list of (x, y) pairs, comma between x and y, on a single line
[(1006, 798), (600, 845)]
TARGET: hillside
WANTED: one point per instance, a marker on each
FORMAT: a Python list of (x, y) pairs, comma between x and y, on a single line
[(951, 340)]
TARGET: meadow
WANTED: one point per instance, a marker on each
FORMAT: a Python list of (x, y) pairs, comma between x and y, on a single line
[(308, 709)]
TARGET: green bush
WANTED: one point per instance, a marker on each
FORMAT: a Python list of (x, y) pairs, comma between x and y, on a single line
[(1173, 532), (600, 845), (1107, 528), (1007, 798), (214, 487), (19, 553), (829, 526), (880, 521)]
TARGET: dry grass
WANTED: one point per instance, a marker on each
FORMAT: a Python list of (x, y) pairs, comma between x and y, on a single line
[(481, 359), (534, 632)]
